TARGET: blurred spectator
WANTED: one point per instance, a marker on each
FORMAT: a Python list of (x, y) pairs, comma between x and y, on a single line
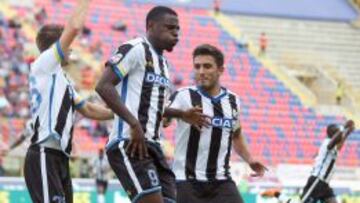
[(96, 50), (263, 42), (40, 16), (85, 36), (217, 6), (88, 77), (84, 169), (14, 23), (4, 103), (119, 26)]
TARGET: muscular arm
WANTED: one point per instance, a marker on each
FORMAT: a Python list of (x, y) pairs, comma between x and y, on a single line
[(96, 112), (107, 91), (74, 25)]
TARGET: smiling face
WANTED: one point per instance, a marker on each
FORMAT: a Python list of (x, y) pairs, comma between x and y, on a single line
[(208, 66), (207, 72)]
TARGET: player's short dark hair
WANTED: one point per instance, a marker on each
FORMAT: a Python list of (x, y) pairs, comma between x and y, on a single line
[(331, 129), (48, 35), (207, 49), (158, 12)]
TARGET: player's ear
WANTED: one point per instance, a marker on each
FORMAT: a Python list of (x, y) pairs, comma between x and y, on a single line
[(150, 25)]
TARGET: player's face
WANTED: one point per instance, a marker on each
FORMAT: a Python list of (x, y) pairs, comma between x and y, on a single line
[(167, 32), (207, 73)]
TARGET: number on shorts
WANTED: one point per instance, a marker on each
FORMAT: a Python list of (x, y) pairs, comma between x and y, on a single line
[(153, 177)]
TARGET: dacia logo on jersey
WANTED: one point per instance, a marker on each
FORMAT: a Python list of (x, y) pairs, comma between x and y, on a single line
[(222, 122), (157, 79)]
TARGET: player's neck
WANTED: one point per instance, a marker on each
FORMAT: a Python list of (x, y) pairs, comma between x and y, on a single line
[(153, 44), (212, 91)]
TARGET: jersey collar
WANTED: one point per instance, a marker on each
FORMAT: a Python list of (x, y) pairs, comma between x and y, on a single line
[(213, 99)]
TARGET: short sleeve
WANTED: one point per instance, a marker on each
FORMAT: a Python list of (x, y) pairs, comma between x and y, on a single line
[(49, 61), (177, 100), (79, 101), (125, 59), (236, 115)]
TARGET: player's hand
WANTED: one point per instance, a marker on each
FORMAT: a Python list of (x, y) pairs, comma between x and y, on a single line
[(195, 117), (350, 125), (137, 145), (258, 168)]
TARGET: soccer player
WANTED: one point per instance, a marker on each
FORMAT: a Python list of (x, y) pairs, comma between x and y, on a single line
[(317, 187), (135, 86), (53, 104), (202, 150), (101, 170)]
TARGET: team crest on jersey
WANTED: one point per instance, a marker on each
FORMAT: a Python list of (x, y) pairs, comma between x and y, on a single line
[(115, 59)]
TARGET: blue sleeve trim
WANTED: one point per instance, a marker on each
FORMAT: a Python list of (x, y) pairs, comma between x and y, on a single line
[(59, 50), (80, 104), (117, 71), (146, 192)]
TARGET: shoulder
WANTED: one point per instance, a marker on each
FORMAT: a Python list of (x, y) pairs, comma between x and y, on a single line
[(186, 89), (133, 46)]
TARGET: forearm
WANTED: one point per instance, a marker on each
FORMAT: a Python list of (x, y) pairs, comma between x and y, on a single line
[(109, 94), (173, 113), (75, 24), (241, 148), (97, 112)]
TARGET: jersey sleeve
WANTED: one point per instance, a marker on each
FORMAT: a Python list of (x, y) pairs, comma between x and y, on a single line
[(177, 100), (49, 61), (79, 101), (237, 123), (125, 60)]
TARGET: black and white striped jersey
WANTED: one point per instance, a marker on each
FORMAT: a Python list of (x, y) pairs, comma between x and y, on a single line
[(144, 87), (204, 155), (325, 162), (53, 101)]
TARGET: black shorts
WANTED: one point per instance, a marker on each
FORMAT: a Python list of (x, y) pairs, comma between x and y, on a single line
[(47, 175), (222, 191), (315, 190), (142, 177), (102, 183)]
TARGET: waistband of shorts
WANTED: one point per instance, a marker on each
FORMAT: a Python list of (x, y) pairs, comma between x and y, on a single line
[(48, 150)]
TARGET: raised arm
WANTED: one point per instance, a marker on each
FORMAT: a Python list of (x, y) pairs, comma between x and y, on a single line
[(74, 25)]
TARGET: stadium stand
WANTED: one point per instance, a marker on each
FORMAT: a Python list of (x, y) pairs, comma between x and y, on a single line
[(278, 126)]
